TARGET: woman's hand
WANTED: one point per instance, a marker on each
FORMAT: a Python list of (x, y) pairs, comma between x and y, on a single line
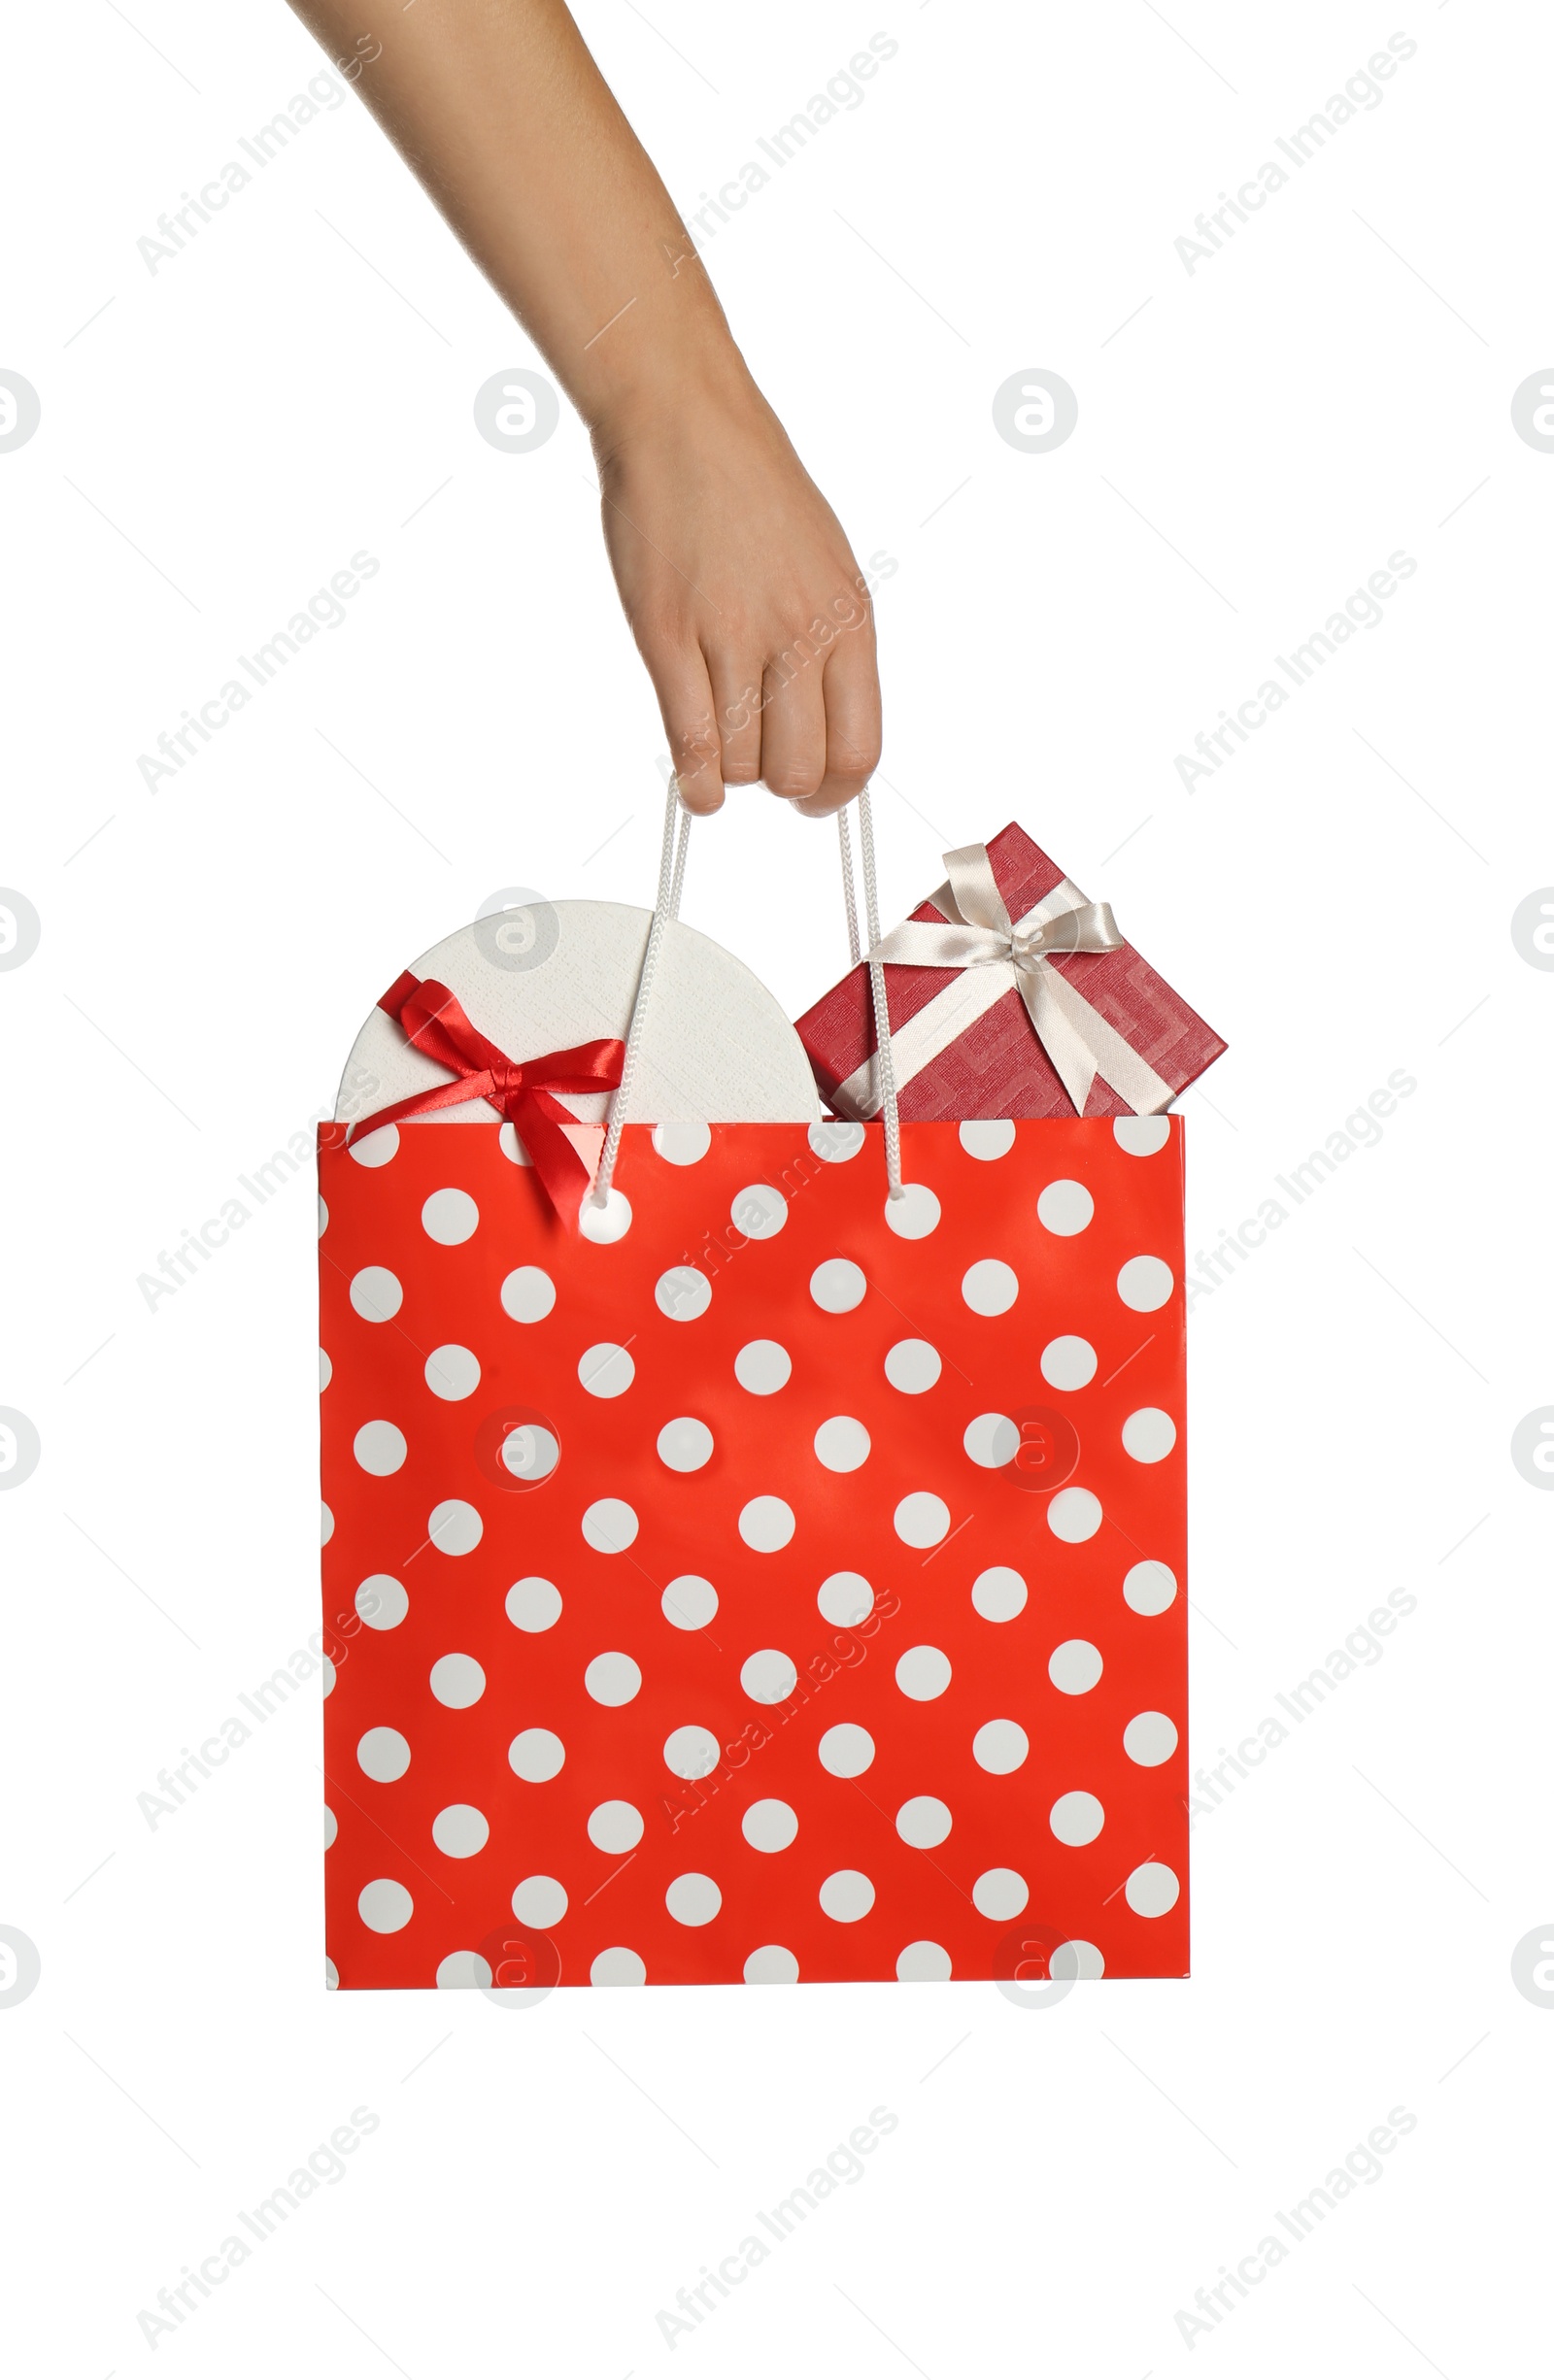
[(745, 598)]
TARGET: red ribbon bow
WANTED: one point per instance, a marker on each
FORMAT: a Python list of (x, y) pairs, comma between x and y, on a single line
[(436, 1025)]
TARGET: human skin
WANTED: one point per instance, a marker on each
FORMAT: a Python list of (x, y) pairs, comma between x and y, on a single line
[(745, 598)]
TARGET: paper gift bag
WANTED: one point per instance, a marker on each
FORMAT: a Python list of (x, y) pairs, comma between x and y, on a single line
[(754, 1549), (788, 1589)]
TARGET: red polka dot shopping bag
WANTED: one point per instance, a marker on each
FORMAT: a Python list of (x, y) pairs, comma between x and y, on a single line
[(754, 1549)]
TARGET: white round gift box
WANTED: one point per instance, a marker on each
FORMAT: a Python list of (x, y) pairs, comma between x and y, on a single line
[(715, 1046)]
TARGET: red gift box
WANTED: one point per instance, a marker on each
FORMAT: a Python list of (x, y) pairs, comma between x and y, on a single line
[(994, 1066)]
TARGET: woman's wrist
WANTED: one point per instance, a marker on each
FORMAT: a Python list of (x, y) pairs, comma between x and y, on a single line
[(677, 360)]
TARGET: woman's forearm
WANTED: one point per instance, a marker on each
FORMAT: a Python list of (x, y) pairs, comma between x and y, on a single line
[(743, 594), (503, 115)]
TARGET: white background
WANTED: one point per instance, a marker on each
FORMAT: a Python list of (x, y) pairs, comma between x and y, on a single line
[(1332, 388)]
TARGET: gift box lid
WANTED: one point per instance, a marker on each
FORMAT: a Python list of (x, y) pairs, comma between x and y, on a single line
[(993, 1064), (715, 1046)]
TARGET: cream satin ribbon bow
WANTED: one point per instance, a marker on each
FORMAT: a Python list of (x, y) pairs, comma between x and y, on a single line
[(979, 934)]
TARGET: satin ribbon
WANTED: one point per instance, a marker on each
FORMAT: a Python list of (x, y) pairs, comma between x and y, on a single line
[(979, 936), (434, 1023)]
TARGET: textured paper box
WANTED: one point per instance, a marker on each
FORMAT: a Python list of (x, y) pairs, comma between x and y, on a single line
[(716, 1047), (997, 1067)]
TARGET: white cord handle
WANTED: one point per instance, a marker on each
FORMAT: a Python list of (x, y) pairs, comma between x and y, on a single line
[(667, 908), (881, 1007)]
